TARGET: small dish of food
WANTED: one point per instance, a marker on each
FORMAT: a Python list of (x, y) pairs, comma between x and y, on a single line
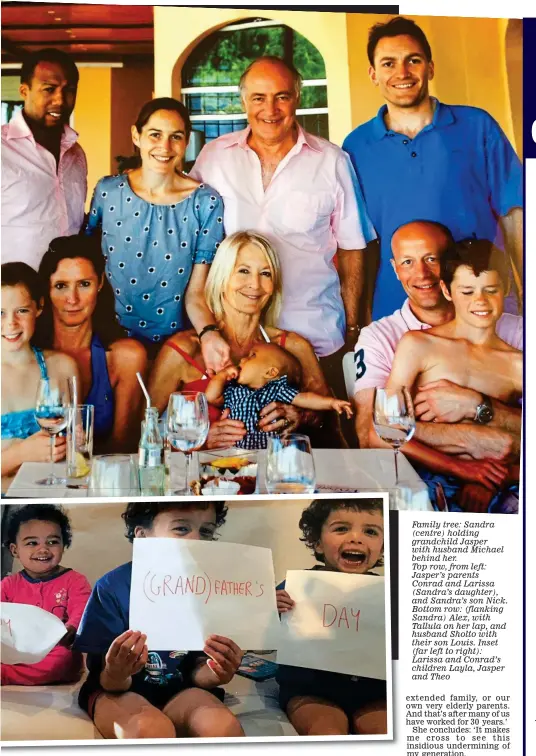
[(217, 470)]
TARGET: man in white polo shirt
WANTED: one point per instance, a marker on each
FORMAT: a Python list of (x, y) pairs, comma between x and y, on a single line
[(417, 248)]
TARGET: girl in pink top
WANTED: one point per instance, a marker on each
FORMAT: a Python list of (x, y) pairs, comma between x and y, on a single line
[(37, 534)]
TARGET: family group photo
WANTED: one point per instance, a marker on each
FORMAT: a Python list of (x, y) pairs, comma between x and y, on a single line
[(261, 283), (198, 254)]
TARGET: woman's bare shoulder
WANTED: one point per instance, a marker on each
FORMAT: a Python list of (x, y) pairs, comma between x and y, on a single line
[(127, 354)]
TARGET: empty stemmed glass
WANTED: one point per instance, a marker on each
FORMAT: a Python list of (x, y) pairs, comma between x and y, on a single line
[(394, 418), (187, 425), (51, 415)]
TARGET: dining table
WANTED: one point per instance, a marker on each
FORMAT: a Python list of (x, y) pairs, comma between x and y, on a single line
[(338, 471)]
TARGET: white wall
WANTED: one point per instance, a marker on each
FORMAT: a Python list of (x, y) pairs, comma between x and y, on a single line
[(99, 543)]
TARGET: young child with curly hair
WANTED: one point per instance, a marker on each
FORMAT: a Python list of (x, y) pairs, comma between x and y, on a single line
[(346, 535), (37, 535)]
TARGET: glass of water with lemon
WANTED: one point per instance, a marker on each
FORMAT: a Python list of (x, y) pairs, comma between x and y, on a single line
[(79, 444)]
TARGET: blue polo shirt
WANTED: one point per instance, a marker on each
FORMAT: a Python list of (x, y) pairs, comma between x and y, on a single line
[(461, 171)]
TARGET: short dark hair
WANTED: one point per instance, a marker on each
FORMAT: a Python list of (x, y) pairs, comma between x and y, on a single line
[(20, 274), (316, 514), (141, 514), (19, 514), (89, 248), (477, 254), (396, 27), (48, 55)]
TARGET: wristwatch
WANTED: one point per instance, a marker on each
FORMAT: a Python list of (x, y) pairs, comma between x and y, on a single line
[(484, 411)]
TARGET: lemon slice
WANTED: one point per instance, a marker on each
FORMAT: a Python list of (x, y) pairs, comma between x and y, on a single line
[(226, 462), (82, 467)]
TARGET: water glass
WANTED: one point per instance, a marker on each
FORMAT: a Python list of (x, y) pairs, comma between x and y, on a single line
[(290, 467), (113, 475), (80, 423)]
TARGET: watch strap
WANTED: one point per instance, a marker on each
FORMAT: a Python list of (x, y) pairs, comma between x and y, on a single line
[(484, 411)]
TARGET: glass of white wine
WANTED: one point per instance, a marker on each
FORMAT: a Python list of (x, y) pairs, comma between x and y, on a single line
[(187, 425), (51, 415), (394, 418)]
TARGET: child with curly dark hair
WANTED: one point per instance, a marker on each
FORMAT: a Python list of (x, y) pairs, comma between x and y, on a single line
[(37, 535), (346, 535), (132, 692)]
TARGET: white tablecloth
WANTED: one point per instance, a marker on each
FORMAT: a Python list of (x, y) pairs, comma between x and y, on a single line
[(337, 470)]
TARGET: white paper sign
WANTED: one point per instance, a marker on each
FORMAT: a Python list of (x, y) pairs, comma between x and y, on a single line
[(28, 633), (182, 591), (337, 624)]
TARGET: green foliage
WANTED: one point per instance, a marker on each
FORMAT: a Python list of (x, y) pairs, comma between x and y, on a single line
[(221, 58)]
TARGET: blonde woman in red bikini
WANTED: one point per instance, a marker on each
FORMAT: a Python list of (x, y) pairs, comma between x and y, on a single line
[(243, 291)]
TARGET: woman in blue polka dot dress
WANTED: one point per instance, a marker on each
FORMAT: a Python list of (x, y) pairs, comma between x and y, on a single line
[(160, 232)]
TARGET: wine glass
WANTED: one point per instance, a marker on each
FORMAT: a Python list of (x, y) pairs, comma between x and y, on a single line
[(290, 466), (394, 418), (51, 415), (187, 425)]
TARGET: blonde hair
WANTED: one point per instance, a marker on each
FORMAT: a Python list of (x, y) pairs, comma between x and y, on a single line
[(223, 266)]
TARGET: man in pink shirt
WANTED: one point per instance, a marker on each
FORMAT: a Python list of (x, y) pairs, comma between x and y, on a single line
[(445, 435), (301, 192), (44, 170)]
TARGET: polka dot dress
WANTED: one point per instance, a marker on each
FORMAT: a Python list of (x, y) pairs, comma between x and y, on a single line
[(150, 251)]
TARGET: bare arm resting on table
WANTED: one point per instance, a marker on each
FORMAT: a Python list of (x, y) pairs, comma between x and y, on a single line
[(488, 472)]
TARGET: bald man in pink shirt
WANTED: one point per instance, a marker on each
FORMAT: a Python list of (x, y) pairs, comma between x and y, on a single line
[(417, 248)]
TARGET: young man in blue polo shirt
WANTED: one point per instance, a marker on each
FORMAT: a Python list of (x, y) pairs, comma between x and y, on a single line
[(420, 159)]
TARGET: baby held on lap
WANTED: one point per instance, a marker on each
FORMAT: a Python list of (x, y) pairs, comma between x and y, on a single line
[(267, 374)]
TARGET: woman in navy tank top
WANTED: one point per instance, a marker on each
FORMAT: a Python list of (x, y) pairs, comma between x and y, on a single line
[(78, 319)]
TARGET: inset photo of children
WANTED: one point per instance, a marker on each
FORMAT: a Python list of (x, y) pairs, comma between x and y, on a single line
[(196, 619)]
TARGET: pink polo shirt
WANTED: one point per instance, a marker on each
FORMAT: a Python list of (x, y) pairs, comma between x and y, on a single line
[(375, 349), (312, 206), (40, 200), (65, 596)]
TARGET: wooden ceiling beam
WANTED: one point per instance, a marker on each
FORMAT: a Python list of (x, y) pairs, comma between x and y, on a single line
[(51, 27), (76, 41), (13, 49)]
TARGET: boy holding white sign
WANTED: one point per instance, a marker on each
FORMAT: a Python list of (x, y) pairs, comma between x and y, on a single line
[(346, 535), (132, 692)]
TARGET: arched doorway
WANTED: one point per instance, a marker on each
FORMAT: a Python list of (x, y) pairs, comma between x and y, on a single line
[(210, 76)]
